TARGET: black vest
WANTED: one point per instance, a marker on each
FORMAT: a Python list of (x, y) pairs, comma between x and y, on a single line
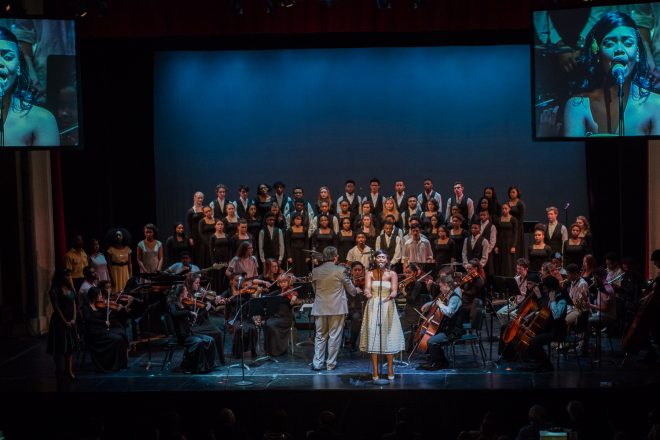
[(462, 207), (240, 211), (271, 245), (403, 206), (219, 210), (388, 249), (478, 251), (425, 199), (486, 232), (554, 241), (378, 207), (285, 202), (353, 207)]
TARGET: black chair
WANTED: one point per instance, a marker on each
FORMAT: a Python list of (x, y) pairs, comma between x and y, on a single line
[(472, 337), (171, 342)]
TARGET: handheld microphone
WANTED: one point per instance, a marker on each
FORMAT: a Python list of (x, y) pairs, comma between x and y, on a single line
[(618, 70), (240, 281), (381, 265)]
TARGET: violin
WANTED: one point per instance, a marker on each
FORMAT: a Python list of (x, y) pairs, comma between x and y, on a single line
[(101, 304), (191, 302)]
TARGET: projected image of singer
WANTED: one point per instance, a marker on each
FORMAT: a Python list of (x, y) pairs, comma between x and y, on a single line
[(22, 123), (614, 55)]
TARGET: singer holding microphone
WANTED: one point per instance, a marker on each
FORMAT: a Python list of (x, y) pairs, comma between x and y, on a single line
[(614, 87), (381, 328), (22, 124)]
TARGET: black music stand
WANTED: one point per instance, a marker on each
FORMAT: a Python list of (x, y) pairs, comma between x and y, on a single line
[(509, 286), (265, 306)]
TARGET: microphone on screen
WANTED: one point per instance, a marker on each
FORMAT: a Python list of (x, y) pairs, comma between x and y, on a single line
[(618, 70)]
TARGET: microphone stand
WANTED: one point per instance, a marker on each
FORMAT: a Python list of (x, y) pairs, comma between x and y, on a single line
[(379, 323), (620, 93), (242, 382)]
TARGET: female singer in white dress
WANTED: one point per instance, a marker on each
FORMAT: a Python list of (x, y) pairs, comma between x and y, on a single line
[(380, 289)]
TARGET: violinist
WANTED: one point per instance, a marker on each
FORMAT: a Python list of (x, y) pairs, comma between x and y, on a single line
[(553, 329), (356, 303), (451, 326), (278, 326), (105, 337), (416, 294), (241, 325), (272, 272), (199, 350), (525, 286), (205, 323), (473, 291), (603, 310), (119, 305), (578, 293)]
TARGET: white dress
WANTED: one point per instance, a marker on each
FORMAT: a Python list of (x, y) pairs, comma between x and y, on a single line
[(392, 337)]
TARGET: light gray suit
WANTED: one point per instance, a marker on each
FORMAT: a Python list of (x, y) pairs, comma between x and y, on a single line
[(330, 308)]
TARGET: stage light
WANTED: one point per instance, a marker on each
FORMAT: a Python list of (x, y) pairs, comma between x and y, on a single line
[(384, 4)]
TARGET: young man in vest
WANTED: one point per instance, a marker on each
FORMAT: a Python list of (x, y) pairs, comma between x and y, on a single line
[(271, 241)]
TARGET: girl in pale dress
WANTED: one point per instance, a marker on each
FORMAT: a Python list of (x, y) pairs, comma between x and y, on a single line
[(150, 251), (380, 289), (97, 261), (119, 258)]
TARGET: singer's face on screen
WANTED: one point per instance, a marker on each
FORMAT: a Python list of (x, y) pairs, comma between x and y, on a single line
[(619, 46), (9, 64)]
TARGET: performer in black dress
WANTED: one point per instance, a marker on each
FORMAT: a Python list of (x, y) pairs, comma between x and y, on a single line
[(518, 212), (458, 235), (220, 254), (241, 235), (278, 327), (444, 249), (585, 233), (263, 202), (62, 334), (575, 248), (105, 336), (494, 206), (253, 221), (297, 242), (206, 228), (231, 220), (507, 244), (345, 239), (176, 244), (324, 236), (204, 323), (538, 251), (199, 350), (193, 216), (240, 321)]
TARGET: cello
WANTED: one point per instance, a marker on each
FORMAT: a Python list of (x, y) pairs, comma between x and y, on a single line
[(522, 330), (434, 317)]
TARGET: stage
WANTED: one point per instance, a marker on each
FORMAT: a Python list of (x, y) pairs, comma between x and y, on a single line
[(29, 368)]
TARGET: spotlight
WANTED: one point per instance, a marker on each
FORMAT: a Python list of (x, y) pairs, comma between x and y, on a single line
[(384, 4)]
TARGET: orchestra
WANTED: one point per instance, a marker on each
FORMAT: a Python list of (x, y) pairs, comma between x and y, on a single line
[(446, 275)]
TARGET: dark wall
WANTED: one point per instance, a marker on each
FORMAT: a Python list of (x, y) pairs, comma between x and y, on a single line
[(314, 117), (111, 182)]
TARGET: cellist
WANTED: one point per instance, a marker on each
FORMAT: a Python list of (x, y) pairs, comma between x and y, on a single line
[(451, 326)]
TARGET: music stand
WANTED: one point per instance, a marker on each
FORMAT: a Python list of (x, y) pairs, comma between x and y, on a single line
[(509, 286), (265, 306), (241, 382)]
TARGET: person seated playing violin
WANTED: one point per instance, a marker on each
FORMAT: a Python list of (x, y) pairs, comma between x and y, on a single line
[(553, 328), (242, 326), (105, 337), (203, 324), (451, 326), (278, 326), (416, 294), (199, 350)]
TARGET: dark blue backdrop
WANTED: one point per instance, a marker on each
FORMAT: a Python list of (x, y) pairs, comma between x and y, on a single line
[(315, 117)]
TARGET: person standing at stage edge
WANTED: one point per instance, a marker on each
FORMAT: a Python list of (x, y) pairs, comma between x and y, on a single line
[(330, 308)]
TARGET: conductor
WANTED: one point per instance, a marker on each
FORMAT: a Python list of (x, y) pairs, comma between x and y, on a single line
[(329, 309)]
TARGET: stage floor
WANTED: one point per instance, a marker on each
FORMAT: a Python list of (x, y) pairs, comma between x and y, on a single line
[(29, 368)]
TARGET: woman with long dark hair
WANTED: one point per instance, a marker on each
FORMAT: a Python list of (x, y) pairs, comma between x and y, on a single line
[(24, 124), (62, 334), (150, 251), (518, 212), (614, 55), (175, 244)]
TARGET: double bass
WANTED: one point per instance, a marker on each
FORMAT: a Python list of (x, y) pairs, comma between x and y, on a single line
[(643, 322), (433, 320)]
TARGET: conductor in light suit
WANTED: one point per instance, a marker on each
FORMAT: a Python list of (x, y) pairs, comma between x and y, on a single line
[(329, 309)]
